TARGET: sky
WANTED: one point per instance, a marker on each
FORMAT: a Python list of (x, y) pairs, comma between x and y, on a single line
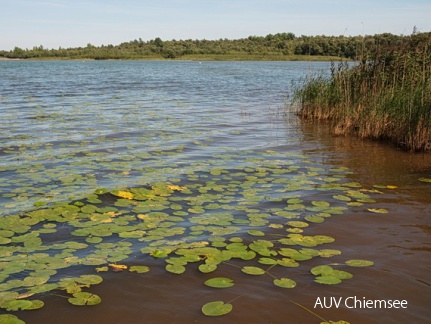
[(76, 23)]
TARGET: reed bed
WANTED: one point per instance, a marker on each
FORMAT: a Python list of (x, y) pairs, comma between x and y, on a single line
[(385, 96)]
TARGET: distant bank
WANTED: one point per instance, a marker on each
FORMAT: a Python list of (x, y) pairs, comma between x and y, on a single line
[(277, 47)]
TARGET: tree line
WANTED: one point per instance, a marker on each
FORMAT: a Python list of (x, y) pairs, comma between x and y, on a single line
[(278, 45)]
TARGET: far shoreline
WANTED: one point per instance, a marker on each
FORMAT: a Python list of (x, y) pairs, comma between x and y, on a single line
[(197, 58)]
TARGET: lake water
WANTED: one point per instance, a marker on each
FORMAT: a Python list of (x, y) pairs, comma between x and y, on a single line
[(222, 162)]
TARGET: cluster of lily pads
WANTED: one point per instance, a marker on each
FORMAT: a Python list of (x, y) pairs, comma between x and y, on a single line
[(256, 215)]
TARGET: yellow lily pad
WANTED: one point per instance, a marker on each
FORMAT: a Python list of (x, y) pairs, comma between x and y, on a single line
[(378, 210)]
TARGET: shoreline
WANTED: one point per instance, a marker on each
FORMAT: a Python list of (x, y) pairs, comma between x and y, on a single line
[(208, 58)]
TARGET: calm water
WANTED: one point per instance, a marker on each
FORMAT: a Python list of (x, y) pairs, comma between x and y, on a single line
[(69, 128)]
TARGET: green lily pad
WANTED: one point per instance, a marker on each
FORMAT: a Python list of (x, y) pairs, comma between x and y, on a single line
[(219, 282), (84, 298), (288, 262), (251, 270), (207, 267), (216, 308), (321, 203), (327, 280), (256, 233), (43, 288), (314, 219), (425, 179), (19, 304), (297, 224), (139, 269), (322, 270), (342, 198), (89, 279), (10, 319), (94, 239), (340, 274), (159, 254), (359, 263), (267, 261), (175, 268), (284, 283), (327, 253)]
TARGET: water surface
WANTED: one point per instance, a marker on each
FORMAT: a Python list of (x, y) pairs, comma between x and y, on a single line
[(69, 128)]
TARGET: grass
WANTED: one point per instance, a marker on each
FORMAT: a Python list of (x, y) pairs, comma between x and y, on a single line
[(385, 96)]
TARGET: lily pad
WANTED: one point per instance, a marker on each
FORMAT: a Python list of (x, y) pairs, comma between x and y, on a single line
[(322, 270), (284, 283), (84, 298), (15, 305), (251, 270), (256, 233), (359, 263), (328, 280), (10, 319), (378, 210), (139, 269), (314, 219), (267, 261), (297, 224), (175, 268), (216, 308), (321, 203), (89, 279), (219, 282), (207, 267), (327, 253)]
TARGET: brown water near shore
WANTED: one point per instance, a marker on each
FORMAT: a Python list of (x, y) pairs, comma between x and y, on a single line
[(398, 242)]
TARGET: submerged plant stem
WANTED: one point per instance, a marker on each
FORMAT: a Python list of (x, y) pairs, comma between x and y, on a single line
[(308, 310)]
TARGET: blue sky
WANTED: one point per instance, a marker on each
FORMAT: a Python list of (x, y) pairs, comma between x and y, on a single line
[(73, 23)]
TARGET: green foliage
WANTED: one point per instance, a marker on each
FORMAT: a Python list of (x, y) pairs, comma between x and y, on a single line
[(84, 298), (386, 95), (219, 282), (10, 319), (281, 46), (105, 229), (216, 308), (285, 283), (359, 263)]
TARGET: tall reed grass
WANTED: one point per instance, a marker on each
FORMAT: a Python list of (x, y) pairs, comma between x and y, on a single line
[(385, 96)]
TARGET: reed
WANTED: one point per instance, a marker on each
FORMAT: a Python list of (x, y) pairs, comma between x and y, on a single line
[(385, 96)]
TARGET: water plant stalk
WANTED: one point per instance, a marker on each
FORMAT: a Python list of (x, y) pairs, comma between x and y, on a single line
[(386, 95)]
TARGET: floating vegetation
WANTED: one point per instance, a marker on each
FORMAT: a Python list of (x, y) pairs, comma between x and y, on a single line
[(359, 263), (327, 275), (216, 308), (378, 210), (84, 298), (219, 282), (254, 217)]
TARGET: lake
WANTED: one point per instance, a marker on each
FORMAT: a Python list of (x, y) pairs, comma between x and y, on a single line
[(138, 181)]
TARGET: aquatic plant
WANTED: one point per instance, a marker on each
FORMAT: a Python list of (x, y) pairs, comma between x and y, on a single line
[(251, 217), (385, 96)]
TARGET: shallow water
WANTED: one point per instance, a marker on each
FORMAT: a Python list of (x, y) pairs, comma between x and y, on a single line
[(69, 128)]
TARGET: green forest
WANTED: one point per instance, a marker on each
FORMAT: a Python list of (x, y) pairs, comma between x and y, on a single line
[(281, 46)]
